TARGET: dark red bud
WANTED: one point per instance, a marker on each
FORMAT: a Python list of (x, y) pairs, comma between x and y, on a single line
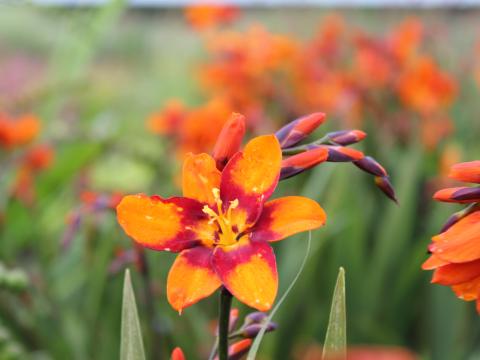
[(230, 140), (346, 137), (384, 184), (371, 166), (458, 194), (299, 129)]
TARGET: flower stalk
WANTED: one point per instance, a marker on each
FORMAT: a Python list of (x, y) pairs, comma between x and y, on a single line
[(223, 323)]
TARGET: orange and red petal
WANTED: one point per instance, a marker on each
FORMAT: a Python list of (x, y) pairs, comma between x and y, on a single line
[(249, 271), (163, 224), (453, 274), (461, 195), (191, 278), (433, 262), (200, 176), (252, 175), (461, 242), (466, 171), (286, 216)]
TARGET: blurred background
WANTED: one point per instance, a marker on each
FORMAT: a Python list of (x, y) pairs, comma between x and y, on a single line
[(102, 101)]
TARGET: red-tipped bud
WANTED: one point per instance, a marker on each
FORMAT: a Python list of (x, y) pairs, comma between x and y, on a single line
[(299, 129), (298, 163), (252, 330), (255, 318), (238, 349), (177, 354), (343, 154), (461, 195), (346, 137), (371, 166), (229, 140), (384, 184), (231, 322)]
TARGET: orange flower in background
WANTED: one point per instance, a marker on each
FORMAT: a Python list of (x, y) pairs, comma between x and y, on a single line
[(169, 119), (223, 225), (425, 88), (406, 39), (19, 131), (456, 250), (203, 16)]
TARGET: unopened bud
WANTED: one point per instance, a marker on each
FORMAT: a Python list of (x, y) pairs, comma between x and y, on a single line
[(298, 163), (459, 195), (299, 129), (252, 330), (343, 154), (229, 140), (255, 318), (459, 215), (346, 137), (384, 184), (177, 354), (371, 166)]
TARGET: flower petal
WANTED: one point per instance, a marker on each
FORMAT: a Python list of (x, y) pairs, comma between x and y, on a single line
[(164, 224), (467, 291), (200, 176), (461, 242), (252, 175), (466, 171), (286, 216), (453, 274), (248, 270), (191, 278), (433, 262)]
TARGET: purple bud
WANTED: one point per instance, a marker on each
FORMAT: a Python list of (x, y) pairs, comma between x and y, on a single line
[(384, 184), (371, 166), (346, 137), (255, 318), (251, 331)]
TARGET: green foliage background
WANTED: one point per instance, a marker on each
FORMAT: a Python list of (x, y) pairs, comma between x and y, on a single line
[(113, 66)]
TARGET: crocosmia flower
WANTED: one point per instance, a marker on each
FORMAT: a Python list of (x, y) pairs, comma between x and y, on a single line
[(223, 225), (456, 250)]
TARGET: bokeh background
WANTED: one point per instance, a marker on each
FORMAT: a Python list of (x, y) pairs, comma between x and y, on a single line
[(102, 79)]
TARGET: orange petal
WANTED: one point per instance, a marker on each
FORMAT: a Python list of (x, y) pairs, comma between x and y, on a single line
[(466, 171), (461, 242), (200, 176), (467, 291), (286, 216), (164, 224), (453, 274), (252, 175), (191, 278), (249, 271), (433, 262)]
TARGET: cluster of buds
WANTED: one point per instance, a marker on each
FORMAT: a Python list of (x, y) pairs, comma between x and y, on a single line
[(243, 336), (332, 148)]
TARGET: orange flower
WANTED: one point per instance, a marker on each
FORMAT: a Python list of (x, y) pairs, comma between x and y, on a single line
[(167, 121), (425, 88), (19, 131), (203, 16), (456, 251), (406, 39), (222, 226)]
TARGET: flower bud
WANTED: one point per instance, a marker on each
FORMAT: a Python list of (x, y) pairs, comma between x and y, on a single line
[(255, 318), (458, 194), (229, 140), (298, 163), (346, 137), (459, 215), (177, 354), (299, 129), (384, 184), (252, 330), (343, 154), (237, 350), (371, 166)]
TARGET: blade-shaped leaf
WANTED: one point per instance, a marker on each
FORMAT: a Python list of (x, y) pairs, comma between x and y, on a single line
[(258, 339), (335, 345), (131, 343)]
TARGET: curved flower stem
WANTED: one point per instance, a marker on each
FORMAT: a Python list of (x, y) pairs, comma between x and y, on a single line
[(223, 323)]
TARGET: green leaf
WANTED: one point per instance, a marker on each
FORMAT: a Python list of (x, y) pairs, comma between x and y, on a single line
[(336, 338), (258, 339), (131, 345)]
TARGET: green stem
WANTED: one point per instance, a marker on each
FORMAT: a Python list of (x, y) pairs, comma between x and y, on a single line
[(223, 323)]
